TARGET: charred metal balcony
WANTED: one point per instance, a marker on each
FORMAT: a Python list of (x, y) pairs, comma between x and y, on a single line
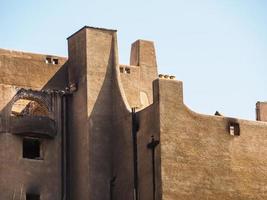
[(32, 113), (35, 126)]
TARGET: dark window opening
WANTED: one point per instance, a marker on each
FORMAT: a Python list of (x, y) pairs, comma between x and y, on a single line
[(234, 129), (121, 69), (48, 60), (32, 148), (128, 70), (55, 61), (30, 196)]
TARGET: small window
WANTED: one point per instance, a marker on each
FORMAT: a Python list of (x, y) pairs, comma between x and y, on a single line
[(48, 60), (234, 129), (30, 196), (121, 69), (128, 70), (32, 148), (55, 61)]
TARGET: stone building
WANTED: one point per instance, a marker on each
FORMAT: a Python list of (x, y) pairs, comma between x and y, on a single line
[(87, 128)]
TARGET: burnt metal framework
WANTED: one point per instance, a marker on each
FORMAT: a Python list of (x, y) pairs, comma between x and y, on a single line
[(29, 125)]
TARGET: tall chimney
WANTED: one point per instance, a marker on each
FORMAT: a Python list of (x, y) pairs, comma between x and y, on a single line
[(261, 111)]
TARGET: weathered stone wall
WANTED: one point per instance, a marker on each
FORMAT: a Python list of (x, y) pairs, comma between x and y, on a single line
[(91, 58), (130, 78), (19, 175), (77, 120), (195, 156), (133, 89), (122, 185), (101, 136), (137, 78), (201, 160), (26, 70), (143, 55), (148, 133), (16, 66), (22, 175)]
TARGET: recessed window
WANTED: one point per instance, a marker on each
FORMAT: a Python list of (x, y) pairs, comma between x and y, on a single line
[(234, 129), (128, 70), (30, 196), (32, 148), (121, 69), (55, 61), (48, 60)]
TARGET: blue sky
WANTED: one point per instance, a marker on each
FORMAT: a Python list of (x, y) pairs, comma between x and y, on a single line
[(217, 48)]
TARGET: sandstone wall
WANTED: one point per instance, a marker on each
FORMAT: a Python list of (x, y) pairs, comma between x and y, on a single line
[(17, 174), (26, 70), (138, 76), (180, 154), (149, 174), (201, 160), (122, 185), (91, 60)]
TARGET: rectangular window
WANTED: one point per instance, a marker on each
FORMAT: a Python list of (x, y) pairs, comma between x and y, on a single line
[(234, 129), (30, 196), (48, 60), (32, 148), (128, 70), (55, 61)]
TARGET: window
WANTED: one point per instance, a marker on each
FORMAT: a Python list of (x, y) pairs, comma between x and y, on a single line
[(32, 148), (234, 129), (128, 70), (48, 60), (55, 61), (30, 196), (121, 69)]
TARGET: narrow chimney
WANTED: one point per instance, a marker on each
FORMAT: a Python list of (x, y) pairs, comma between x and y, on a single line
[(261, 111)]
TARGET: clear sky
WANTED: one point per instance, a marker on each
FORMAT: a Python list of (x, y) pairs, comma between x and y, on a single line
[(218, 48)]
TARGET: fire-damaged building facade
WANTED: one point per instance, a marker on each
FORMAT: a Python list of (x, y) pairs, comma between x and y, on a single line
[(89, 128)]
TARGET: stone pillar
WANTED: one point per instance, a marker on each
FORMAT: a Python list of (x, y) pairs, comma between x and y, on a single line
[(91, 59)]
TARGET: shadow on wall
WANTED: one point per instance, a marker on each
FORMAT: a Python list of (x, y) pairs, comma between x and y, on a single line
[(33, 103), (100, 127)]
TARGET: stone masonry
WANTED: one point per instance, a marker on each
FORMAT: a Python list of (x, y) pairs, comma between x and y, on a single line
[(88, 128)]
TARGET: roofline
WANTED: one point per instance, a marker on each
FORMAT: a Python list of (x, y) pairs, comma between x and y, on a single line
[(91, 27), (16, 51)]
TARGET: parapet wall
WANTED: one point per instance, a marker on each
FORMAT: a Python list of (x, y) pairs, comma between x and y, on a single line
[(201, 158), (26, 70), (39, 69)]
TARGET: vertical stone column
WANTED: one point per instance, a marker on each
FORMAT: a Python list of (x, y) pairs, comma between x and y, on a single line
[(91, 59)]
